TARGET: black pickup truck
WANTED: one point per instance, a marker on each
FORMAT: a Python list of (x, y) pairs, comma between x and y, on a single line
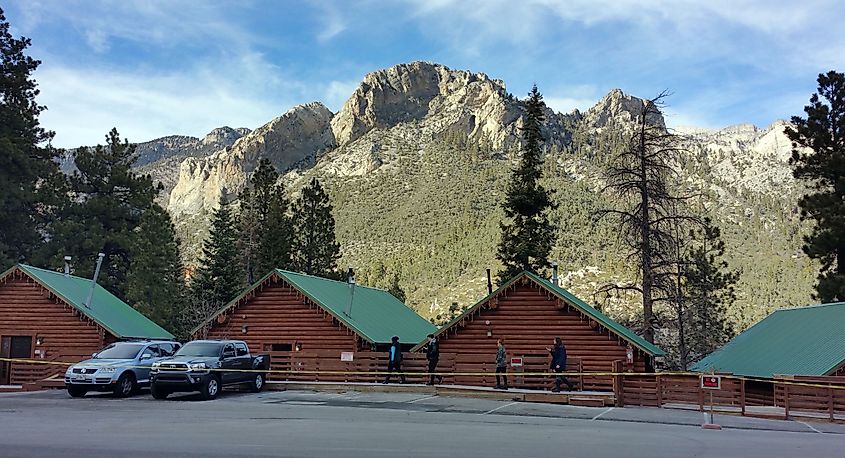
[(207, 366)]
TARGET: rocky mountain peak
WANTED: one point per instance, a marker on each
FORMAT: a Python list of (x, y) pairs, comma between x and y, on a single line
[(224, 136), (300, 133), (616, 105), (432, 95)]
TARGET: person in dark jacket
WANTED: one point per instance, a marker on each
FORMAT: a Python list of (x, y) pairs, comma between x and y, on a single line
[(394, 361), (501, 366), (432, 354), (558, 364)]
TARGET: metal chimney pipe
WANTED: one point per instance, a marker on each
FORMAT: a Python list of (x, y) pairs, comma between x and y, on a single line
[(554, 273), (100, 257), (489, 283), (350, 278), (67, 265)]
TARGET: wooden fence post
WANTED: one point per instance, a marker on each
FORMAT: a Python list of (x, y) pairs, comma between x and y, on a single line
[(618, 388), (742, 395), (830, 402), (786, 401), (659, 387)]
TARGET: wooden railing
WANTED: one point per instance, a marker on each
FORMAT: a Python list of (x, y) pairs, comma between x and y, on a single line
[(369, 367)]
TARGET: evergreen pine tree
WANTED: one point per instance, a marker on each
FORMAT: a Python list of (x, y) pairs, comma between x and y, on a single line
[(823, 170), (527, 234), (256, 200), (316, 250), (395, 289), (708, 290), (276, 243), (25, 160), (156, 285), (218, 278), (108, 201)]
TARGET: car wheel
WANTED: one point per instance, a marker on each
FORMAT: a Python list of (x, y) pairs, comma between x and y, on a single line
[(257, 383), (158, 393), (125, 385), (76, 391), (210, 389)]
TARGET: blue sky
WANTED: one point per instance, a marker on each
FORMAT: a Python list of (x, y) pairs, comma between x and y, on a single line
[(153, 68)]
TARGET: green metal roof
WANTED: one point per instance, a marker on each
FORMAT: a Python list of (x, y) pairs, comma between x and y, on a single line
[(376, 315), (116, 316), (587, 309), (798, 341)]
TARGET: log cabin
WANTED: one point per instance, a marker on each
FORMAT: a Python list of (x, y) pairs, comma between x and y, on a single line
[(288, 311), (790, 341), (44, 317), (529, 312)]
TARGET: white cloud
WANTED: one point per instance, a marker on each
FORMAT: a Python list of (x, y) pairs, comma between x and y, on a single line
[(84, 103)]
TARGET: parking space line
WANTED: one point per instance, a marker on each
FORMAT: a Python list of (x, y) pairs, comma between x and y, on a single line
[(599, 415), (809, 426), (422, 399), (500, 407)]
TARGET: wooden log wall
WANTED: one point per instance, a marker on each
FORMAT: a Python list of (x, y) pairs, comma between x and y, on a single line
[(28, 309), (278, 314), (529, 318)]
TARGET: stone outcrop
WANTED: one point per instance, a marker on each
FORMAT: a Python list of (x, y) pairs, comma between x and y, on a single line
[(434, 98), (295, 136)]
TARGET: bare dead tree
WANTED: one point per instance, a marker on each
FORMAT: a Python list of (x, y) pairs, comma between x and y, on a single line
[(639, 177)]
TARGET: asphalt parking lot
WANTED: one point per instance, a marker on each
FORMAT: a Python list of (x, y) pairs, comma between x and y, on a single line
[(351, 424)]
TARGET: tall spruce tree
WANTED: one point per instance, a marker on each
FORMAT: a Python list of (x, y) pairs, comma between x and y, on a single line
[(526, 234), (276, 243), (315, 249), (156, 278), (218, 279), (708, 291), (264, 225), (253, 218), (104, 213), (822, 168), (26, 158)]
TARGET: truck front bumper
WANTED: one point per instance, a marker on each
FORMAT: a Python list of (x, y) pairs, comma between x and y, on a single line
[(180, 381)]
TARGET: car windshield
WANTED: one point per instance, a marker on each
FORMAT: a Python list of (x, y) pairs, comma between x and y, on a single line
[(199, 349), (119, 351)]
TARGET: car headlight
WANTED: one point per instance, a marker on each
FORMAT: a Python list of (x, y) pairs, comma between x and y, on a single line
[(107, 370), (197, 367), (156, 364)]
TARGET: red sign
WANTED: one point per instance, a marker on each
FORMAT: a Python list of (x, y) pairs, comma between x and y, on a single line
[(711, 382), (516, 362)]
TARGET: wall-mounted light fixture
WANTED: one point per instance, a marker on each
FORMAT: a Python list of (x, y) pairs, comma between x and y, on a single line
[(297, 346), (244, 329), (489, 328), (39, 340)]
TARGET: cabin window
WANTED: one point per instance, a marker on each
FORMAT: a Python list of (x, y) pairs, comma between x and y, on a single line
[(21, 347), (281, 347)]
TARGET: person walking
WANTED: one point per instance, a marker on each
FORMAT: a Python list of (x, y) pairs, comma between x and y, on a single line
[(394, 361), (502, 366), (432, 354), (558, 365)]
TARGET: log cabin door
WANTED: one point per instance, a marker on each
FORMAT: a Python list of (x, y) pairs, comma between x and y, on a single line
[(16, 347), (5, 366)]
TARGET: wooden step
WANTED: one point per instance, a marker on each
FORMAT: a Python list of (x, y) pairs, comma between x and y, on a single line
[(588, 401)]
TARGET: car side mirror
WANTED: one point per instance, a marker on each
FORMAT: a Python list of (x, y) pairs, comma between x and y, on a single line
[(146, 356)]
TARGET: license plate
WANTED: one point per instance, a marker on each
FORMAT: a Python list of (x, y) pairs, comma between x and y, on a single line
[(79, 377)]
